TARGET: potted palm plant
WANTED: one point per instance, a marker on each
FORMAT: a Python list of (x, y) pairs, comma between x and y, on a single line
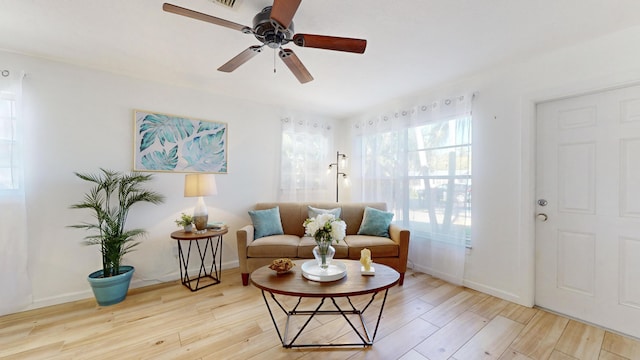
[(109, 200)]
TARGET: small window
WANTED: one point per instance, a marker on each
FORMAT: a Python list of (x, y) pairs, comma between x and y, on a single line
[(8, 143)]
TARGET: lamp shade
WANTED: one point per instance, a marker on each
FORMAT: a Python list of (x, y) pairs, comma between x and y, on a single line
[(199, 185)]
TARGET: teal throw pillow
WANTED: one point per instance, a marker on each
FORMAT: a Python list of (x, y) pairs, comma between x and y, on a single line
[(375, 222), (266, 222), (313, 212)]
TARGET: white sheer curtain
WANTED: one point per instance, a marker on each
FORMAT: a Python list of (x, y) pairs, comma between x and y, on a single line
[(15, 285), (418, 161), (305, 159)]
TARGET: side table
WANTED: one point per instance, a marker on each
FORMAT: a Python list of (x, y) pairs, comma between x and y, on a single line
[(210, 274)]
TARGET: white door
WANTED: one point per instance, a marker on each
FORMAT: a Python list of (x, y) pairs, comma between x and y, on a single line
[(588, 190)]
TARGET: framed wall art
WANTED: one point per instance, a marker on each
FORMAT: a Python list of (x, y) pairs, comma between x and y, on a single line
[(178, 144)]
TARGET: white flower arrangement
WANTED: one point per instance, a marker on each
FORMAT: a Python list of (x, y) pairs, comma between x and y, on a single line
[(325, 227)]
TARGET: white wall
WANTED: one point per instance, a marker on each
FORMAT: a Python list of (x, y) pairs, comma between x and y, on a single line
[(80, 119), (502, 259)]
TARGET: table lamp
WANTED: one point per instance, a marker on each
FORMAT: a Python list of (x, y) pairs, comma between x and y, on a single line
[(200, 185)]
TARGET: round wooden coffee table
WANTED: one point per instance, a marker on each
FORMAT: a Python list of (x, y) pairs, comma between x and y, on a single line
[(354, 283)]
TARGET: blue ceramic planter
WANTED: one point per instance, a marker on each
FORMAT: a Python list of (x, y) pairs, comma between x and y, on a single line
[(111, 290)]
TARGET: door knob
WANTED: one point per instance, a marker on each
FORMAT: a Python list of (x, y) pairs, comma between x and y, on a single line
[(542, 217)]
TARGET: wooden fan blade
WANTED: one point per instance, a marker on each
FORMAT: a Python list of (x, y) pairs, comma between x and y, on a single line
[(204, 17), (330, 43), (282, 13), (295, 65), (240, 59)]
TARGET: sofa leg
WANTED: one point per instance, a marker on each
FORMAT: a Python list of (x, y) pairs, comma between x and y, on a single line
[(245, 279), (401, 281)]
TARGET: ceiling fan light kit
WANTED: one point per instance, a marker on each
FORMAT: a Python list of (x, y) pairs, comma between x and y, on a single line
[(273, 27)]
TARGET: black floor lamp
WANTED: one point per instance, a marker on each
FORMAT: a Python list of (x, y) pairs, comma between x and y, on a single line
[(343, 158)]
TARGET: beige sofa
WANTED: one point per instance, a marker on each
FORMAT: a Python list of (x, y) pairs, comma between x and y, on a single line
[(252, 254)]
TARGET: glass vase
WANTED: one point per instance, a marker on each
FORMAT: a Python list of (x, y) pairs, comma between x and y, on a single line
[(324, 253)]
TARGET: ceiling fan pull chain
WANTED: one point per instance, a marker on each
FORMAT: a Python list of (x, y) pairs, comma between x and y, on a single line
[(274, 61)]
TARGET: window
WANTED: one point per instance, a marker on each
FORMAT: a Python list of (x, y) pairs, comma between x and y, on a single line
[(8, 143), (14, 274), (304, 160), (418, 161), (439, 180)]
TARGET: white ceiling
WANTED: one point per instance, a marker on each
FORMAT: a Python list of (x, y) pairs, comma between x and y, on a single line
[(412, 44)]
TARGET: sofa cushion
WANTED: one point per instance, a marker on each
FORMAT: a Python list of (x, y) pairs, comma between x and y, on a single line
[(352, 214), (266, 222), (276, 246), (379, 246), (292, 216), (307, 244), (375, 222), (313, 212)]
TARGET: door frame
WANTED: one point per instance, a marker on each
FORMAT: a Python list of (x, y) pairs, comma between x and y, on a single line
[(527, 222)]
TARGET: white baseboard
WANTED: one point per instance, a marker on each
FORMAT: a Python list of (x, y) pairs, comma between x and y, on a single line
[(505, 295), (135, 283), (440, 275), (59, 299)]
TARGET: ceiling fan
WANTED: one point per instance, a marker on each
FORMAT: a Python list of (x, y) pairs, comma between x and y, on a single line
[(273, 27)]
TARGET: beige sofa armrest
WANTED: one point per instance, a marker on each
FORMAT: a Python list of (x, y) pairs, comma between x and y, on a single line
[(244, 237), (401, 237)]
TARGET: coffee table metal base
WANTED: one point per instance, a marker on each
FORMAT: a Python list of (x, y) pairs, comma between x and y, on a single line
[(365, 336)]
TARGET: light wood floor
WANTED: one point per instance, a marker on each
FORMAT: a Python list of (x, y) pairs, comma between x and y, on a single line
[(426, 318)]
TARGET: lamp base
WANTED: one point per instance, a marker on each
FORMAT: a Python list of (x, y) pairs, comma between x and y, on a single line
[(201, 221)]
